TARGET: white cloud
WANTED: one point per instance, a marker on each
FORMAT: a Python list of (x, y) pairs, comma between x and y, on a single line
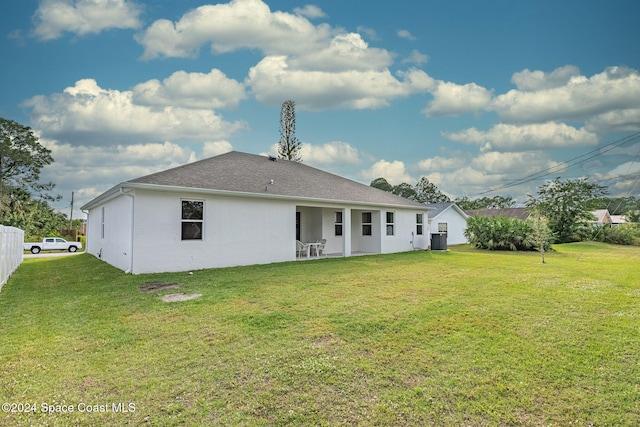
[(91, 170), (394, 172), (310, 11), (331, 153), (230, 26), (318, 66), (82, 17), (440, 163), (507, 137), (87, 114), (367, 31), (450, 99), (416, 58), (622, 120), (527, 80), (344, 52), (191, 90), (517, 164), (405, 34), (315, 90), (210, 149), (581, 98)]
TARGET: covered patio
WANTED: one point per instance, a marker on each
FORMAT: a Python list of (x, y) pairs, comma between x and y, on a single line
[(347, 231)]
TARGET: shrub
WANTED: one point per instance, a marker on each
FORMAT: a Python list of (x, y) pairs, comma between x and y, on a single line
[(500, 233), (627, 234)]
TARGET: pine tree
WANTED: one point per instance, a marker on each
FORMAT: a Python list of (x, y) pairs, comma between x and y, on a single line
[(289, 146)]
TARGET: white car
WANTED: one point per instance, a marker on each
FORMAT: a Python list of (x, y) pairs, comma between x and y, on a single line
[(52, 244)]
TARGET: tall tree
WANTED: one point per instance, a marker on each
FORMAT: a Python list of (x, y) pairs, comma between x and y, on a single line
[(21, 159), (496, 202), (381, 184), (427, 192), (404, 190), (23, 199), (289, 146), (566, 205)]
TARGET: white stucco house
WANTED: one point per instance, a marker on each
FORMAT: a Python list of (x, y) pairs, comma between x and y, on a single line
[(450, 219), (242, 209)]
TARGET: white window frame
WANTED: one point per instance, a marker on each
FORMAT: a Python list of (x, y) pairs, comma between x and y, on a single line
[(367, 224), (391, 225), (419, 224), (338, 225), (191, 220)]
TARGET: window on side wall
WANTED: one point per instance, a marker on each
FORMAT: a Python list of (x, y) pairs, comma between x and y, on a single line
[(390, 224), (419, 224), (192, 222), (338, 224), (366, 223), (442, 227)]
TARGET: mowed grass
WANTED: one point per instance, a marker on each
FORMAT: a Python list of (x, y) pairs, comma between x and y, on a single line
[(462, 338)]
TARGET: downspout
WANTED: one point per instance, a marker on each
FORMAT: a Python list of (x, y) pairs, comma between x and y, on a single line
[(130, 193)]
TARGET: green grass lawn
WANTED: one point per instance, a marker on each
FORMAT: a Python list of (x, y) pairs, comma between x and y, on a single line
[(460, 338)]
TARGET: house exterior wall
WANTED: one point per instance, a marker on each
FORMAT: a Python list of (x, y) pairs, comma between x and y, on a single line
[(456, 226), (236, 231), (404, 237), (143, 234), (114, 244)]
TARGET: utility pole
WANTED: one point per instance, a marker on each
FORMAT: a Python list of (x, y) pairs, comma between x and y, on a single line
[(71, 215)]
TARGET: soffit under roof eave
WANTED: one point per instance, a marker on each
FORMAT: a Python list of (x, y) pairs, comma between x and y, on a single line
[(266, 195)]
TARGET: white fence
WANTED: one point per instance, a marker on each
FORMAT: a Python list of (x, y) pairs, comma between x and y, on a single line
[(11, 247)]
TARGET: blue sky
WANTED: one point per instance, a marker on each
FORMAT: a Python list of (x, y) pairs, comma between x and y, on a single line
[(472, 95)]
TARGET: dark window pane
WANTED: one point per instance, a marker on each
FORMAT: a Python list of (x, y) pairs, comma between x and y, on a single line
[(389, 217), (366, 217), (419, 229), (192, 209), (338, 229), (338, 217), (366, 230), (419, 218), (389, 230), (191, 231)]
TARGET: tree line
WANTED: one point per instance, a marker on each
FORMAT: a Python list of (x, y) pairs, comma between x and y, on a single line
[(24, 200), (560, 212)]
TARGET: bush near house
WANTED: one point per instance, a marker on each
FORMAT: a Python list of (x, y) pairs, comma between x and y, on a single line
[(500, 233), (627, 234)]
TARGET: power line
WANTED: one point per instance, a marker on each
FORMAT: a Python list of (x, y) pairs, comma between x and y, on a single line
[(565, 165)]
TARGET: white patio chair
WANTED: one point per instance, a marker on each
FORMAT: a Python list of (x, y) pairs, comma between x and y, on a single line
[(302, 249), (320, 247)]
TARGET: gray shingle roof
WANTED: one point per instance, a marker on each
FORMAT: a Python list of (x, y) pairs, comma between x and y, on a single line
[(249, 173)]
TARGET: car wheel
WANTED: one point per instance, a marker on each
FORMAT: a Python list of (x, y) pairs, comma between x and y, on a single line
[(35, 250), (72, 249)]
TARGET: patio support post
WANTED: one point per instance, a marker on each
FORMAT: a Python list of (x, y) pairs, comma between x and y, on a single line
[(346, 232)]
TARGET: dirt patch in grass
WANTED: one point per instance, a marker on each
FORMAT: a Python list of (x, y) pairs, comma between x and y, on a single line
[(158, 286), (179, 297)]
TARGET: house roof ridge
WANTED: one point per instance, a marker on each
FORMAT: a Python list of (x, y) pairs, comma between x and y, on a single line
[(245, 173)]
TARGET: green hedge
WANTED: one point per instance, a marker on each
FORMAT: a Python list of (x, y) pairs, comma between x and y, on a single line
[(500, 233)]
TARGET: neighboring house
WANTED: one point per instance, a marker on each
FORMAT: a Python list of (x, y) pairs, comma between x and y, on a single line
[(243, 209), (618, 220), (602, 217), (518, 213), (448, 218)]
